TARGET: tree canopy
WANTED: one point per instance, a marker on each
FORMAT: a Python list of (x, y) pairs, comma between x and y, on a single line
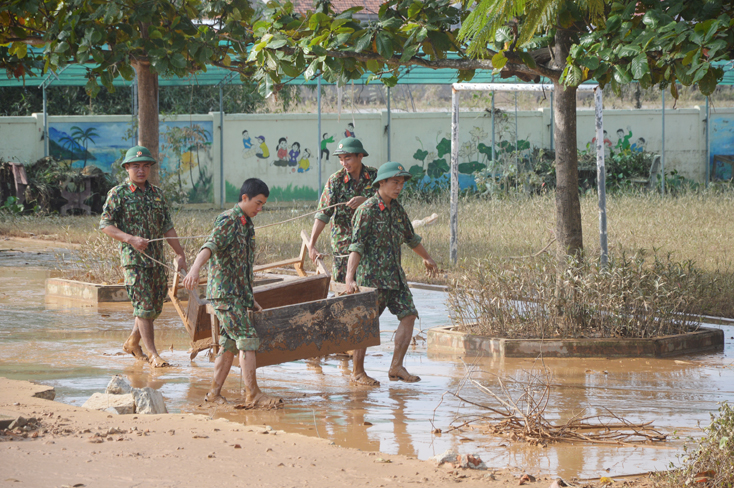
[(176, 37)]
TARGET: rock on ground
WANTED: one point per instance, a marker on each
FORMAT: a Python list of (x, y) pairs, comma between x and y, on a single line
[(149, 401), (124, 404), (118, 386)]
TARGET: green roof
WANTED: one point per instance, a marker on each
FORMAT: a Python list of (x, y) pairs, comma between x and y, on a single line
[(75, 75)]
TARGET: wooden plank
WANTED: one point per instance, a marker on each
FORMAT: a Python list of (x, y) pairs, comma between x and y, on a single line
[(317, 328), (277, 264), (294, 291), (320, 266)]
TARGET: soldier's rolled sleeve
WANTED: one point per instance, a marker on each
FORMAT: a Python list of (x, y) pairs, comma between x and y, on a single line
[(357, 247), (323, 217), (414, 241), (109, 211)]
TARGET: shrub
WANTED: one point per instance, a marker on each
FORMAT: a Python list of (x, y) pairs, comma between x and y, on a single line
[(528, 298), (712, 462)]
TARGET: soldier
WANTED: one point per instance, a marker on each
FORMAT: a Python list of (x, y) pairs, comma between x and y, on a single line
[(134, 213), (380, 227), (351, 184), (231, 247)]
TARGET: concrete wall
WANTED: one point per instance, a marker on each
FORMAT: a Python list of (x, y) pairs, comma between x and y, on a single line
[(283, 149)]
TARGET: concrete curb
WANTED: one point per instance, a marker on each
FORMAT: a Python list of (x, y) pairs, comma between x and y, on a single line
[(446, 341)]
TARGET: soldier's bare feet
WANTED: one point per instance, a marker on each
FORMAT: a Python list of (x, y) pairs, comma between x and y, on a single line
[(133, 348), (363, 379), (215, 398), (261, 400), (401, 374)]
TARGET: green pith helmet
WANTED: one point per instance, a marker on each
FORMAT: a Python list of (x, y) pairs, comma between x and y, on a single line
[(390, 169), (350, 145), (136, 154)]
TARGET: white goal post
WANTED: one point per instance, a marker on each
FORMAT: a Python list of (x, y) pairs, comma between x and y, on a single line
[(600, 169)]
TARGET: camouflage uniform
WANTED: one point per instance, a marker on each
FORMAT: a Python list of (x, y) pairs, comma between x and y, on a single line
[(142, 213), (341, 187), (229, 287), (377, 235)]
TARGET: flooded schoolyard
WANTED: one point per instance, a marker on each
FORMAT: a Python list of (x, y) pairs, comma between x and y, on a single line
[(76, 348)]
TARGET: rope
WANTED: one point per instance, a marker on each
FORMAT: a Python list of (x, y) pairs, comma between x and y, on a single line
[(207, 235), (256, 228)]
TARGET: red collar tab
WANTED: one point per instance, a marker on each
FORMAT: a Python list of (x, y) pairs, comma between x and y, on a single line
[(243, 219), (132, 187), (382, 206), (367, 175), (346, 178)]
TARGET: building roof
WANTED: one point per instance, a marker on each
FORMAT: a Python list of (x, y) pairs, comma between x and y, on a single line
[(371, 7)]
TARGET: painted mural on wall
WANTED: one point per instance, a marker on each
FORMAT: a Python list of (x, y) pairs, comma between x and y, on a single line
[(722, 147), (185, 151), (277, 158)]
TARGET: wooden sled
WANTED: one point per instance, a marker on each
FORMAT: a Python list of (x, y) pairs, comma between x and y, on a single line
[(298, 321)]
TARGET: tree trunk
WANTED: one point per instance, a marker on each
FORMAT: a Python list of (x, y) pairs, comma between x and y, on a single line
[(568, 208), (148, 113)]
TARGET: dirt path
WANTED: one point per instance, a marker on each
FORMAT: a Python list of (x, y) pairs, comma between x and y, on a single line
[(78, 447)]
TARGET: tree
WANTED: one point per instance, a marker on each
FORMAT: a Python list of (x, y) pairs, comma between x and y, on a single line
[(514, 37), (151, 37)]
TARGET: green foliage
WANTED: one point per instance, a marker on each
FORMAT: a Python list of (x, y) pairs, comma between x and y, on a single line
[(526, 298), (12, 207), (291, 193), (710, 463), (658, 43), (110, 36)]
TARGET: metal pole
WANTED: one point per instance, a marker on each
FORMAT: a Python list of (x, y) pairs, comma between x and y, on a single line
[(318, 146), (601, 177), (389, 128), (221, 146), (708, 144), (517, 168), (454, 219), (552, 123), (45, 124), (662, 156), (494, 154)]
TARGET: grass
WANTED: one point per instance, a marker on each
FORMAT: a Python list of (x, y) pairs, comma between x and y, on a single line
[(693, 226)]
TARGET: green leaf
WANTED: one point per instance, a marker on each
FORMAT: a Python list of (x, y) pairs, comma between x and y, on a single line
[(154, 34), (92, 87), (414, 9), (650, 19), (373, 65), (62, 47), (178, 61), (527, 60), (689, 57), (277, 43), (499, 60), (465, 75), (629, 51), (622, 75), (311, 70), (420, 155), (591, 62), (384, 45), (639, 66), (391, 23), (409, 52), (503, 34), (363, 42), (390, 81)]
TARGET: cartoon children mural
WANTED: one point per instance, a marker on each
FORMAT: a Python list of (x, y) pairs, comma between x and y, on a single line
[(638, 146), (293, 155), (264, 151), (304, 164), (623, 141), (324, 142), (246, 141), (350, 130)]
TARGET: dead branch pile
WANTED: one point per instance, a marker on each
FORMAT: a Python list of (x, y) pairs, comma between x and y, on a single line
[(519, 412)]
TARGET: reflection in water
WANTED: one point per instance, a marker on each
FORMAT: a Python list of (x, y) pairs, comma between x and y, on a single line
[(76, 349)]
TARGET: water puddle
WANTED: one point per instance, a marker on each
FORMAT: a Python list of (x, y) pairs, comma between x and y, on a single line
[(76, 349)]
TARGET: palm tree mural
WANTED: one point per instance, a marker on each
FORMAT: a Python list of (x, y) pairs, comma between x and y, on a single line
[(83, 138), (67, 142)]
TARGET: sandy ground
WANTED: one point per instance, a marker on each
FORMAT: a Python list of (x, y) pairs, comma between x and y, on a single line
[(75, 447)]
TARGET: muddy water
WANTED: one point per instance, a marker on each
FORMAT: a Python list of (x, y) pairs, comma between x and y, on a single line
[(77, 348)]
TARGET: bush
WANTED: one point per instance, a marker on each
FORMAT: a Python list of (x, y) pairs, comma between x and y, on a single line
[(527, 298), (712, 462)]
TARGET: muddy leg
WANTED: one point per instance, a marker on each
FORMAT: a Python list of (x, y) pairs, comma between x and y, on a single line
[(222, 365), (402, 342), (146, 331), (359, 376), (132, 344), (254, 396)]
